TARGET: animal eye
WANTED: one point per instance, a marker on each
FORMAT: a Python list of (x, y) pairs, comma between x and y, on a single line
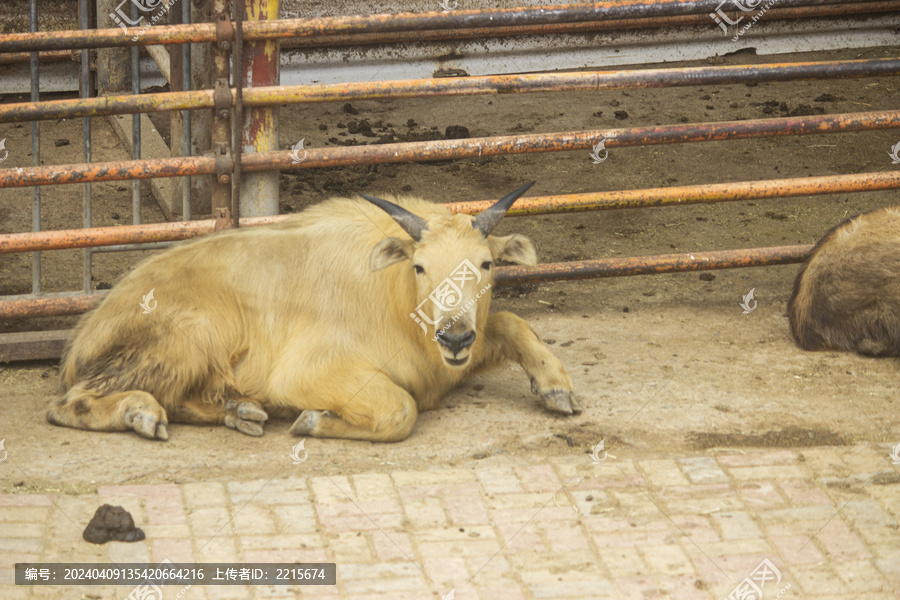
[(486, 265), (419, 269)]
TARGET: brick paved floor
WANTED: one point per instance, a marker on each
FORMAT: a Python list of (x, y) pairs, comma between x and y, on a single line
[(505, 528)]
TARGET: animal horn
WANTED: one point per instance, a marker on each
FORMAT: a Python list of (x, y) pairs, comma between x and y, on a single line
[(489, 217), (412, 224)]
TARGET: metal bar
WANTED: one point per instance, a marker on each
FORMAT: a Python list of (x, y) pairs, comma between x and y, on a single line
[(256, 194), (35, 152), (453, 86), (382, 23), (106, 105), (220, 132), (773, 14), (500, 17), (538, 205), (111, 171), (585, 269), (654, 265), (105, 236), (134, 247), (135, 125), (186, 135), (238, 124), (86, 141), (460, 148), (10, 58), (691, 194), (70, 304), (410, 37)]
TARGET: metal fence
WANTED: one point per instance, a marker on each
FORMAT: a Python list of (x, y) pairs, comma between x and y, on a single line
[(233, 38)]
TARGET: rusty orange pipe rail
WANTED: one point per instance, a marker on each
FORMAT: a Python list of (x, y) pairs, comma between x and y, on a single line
[(689, 194), (54, 306), (381, 23), (329, 40), (538, 205), (459, 148), (419, 88), (111, 236), (405, 37), (44, 57), (585, 269), (655, 265)]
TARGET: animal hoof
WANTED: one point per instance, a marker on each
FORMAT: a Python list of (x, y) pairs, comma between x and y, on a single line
[(246, 416), (576, 405), (562, 401), (306, 423), (251, 411), (147, 422)]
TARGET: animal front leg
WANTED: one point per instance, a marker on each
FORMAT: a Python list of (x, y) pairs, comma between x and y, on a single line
[(360, 407), (510, 338), (243, 414)]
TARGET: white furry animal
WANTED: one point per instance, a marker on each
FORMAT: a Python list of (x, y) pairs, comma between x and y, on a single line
[(321, 318)]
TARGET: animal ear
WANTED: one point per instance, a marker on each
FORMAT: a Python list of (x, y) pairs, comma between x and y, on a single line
[(388, 251), (513, 248)]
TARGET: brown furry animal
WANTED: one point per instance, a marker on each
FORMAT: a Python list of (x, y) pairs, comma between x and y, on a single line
[(353, 315), (847, 296)]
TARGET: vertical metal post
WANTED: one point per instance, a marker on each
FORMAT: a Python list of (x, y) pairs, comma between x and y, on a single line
[(237, 143), (86, 139), (221, 125), (135, 125), (261, 66), (186, 115), (35, 155)]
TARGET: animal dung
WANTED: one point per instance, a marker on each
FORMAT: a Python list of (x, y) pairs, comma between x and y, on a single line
[(112, 523)]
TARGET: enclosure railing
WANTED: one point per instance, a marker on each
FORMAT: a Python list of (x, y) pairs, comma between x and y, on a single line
[(612, 10), (444, 86), (457, 148), (776, 13), (226, 165)]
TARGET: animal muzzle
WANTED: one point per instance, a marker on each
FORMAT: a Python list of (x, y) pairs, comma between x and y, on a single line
[(455, 346)]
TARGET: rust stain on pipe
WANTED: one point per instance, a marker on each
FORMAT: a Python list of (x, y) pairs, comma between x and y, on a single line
[(44, 57), (502, 17), (107, 38), (654, 265), (406, 37), (361, 39), (463, 148), (47, 307), (111, 236), (610, 10), (692, 194), (579, 140), (109, 171), (431, 87), (103, 236), (105, 105), (538, 205)]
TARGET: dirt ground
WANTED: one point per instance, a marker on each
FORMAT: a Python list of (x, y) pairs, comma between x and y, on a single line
[(662, 364)]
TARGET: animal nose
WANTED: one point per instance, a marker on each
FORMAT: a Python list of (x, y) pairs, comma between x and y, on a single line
[(455, 343)]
